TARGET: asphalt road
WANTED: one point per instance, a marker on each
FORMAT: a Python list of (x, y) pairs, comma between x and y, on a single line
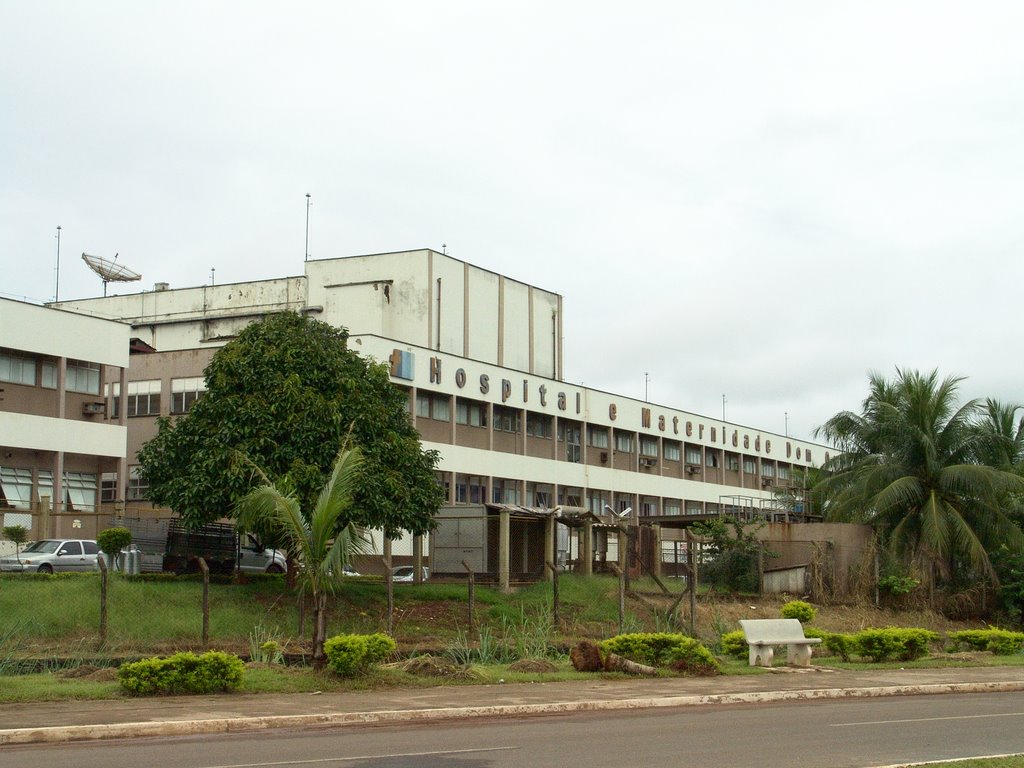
[(827, 733)]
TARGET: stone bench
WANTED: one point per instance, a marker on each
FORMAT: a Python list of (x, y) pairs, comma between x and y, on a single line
[(764, 634)]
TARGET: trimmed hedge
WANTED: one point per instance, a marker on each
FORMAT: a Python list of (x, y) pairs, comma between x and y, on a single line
[(184, 672), (663, 649), (735, 644), (798, 609), (1001, 642), (350, 655)]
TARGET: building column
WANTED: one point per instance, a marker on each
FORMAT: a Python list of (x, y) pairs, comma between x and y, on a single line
[(657, 550), (504, 521), (587, 548), (549, 546)]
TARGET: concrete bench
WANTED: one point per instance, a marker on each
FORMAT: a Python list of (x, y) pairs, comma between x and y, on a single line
[(763, 634)]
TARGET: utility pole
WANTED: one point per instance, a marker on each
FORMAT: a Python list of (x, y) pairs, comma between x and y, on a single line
[(56, 287), (308, 203)]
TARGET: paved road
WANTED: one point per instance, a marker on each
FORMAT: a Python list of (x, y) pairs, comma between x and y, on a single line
[(832, 733)]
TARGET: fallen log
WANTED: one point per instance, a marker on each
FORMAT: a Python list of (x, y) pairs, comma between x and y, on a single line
[(615, 663)]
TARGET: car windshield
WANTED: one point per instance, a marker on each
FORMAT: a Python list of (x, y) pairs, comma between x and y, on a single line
[(45, 547)]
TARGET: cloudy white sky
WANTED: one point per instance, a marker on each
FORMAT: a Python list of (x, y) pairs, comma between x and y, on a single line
[(758, 200)]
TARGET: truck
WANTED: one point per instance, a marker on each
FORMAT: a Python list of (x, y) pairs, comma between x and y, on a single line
[(167, 545)]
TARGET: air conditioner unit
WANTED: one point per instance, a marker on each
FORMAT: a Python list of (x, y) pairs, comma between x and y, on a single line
[(90, 408), (766, 482), (693, 469), (646, 461)]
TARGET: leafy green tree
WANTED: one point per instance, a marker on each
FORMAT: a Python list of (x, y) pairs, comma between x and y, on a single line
[(734, 551), (909, 467), (18, 534), (1001, 436), (319, 541), (285, 394)]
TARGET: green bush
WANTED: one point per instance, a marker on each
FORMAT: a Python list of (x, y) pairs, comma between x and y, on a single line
[(905, 644), (350, 655), (663, 649), (839, 644), (735, 644), (113, 540), (182, 673), (1001, 642), (798, 609)]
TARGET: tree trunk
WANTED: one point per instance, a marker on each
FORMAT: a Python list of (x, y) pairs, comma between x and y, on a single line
[(319, 630), (615, 663)]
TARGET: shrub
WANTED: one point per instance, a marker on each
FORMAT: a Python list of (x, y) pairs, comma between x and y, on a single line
[(182, 673), (839, 644), (1001, 642), (113, 540), (898, 586), (735, 644), (906, 644), (682, 653), (798, 609), (350, 655)]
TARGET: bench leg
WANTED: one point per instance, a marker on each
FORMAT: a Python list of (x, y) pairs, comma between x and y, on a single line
[(799, 654), (761, 655)]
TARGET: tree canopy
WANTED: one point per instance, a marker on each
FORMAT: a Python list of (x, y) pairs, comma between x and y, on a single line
[(286, 394), (913, 466)]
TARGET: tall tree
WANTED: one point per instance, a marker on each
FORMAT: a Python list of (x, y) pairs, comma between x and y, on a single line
[(909, 467), (285, 394), (316, 538)]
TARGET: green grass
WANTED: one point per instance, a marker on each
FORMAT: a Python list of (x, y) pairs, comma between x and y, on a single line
[(1011, 761)]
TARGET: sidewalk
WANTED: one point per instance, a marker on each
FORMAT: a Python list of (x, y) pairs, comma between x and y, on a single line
[(178, 715)]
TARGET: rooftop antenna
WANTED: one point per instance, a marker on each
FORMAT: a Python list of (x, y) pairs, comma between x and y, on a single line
[(444, 248), (56, 286), (647, 380), (109, 270), (308, 203)]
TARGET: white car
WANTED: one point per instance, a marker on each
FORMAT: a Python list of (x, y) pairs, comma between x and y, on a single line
[(404, 574), (54, 555)]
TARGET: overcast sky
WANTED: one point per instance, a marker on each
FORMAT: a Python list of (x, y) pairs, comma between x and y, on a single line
[(764, 201)]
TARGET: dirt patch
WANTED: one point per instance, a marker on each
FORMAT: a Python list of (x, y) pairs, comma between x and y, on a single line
[(533, 665), (432, 666), (90, 672)]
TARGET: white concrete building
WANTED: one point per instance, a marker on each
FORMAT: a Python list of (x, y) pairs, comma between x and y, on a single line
[(480, 355)]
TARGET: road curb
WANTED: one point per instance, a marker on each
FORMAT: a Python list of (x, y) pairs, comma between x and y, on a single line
[(57, 734)]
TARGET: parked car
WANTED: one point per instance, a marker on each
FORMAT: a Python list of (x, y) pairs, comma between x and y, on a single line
[(348, 570), (404, 573), (53, 555)]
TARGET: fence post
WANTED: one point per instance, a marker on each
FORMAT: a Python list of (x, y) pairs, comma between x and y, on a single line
[(587, 548), (206, 602), (103, 601), (390, 584), (554, 592), (622, 594), (504, 528), (471, 583), (691, 578)]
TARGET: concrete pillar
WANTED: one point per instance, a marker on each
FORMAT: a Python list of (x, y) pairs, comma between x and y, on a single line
[(504, 525), (657, 550), (587, 549)]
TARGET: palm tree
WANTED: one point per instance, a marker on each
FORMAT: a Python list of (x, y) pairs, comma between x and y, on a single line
[(314, 540), (1002, 436), (910, 467)]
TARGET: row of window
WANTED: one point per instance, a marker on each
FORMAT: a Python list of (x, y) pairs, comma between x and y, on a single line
[(19, 368), (17, 492), (143, 397)]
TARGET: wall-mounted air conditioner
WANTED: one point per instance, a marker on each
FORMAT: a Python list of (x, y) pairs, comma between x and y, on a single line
[(693, 469), (94, 408)]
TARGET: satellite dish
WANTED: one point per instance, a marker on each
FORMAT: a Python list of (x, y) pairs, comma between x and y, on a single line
[(109, 270)]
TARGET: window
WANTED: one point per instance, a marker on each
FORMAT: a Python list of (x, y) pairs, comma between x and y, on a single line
[(506, 419), (90, 547), (83, 377), (433, 406), (671, 450), (538, 425), (732, 462), (672, 507), (570, 497), (49, 375), (115, 400), (767, 469), (623, 441), (15, 488), (783, 472), (80, 490), (71, 548), (749, 465), (648, 446), (711, 458), (694, 508), (470, 489), (108, 488), (138, 487), (569, 433), (693, 455), (597, 501), (471, 413), (649, 508), (144, 398), (505, 491), (17, 369), (597, 436), (185, 393), (538, 495)]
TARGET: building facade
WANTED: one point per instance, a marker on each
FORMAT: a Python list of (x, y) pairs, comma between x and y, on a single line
[(480, 358), (57, 438)]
